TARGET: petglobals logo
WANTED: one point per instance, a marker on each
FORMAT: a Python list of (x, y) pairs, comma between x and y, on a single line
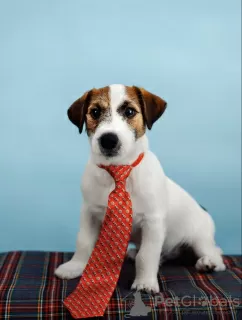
[(136, 306), (193, 301)]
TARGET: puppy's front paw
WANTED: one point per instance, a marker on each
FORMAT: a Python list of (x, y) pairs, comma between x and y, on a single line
[(69, 270), (149, 285), (207, 263)]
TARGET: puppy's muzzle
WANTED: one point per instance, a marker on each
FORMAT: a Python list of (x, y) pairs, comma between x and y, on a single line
[(109, 144)]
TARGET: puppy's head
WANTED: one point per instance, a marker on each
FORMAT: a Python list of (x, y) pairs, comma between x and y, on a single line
[(116, 118)]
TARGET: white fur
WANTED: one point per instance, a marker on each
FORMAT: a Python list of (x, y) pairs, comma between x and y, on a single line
[(164, 214)]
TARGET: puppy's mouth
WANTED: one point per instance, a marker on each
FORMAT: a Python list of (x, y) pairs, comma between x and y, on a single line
[(110, 154), (109, 145)]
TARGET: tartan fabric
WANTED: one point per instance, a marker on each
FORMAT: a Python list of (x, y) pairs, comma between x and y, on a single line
[(29, 290)]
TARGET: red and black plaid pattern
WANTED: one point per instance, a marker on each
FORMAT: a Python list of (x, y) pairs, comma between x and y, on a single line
[(29, 290)]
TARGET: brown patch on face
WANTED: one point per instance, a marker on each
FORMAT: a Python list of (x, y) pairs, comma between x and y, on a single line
[(100, 100), (80, 111), (148, 106), (137, 123)]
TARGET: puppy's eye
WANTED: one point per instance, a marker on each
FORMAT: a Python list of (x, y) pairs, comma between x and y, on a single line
[(95, 113), (130, 112)]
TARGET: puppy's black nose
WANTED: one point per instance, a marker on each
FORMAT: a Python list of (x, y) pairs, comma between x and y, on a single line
[(109, 141)]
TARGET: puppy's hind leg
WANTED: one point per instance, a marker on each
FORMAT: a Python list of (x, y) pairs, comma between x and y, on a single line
[(209, 255)]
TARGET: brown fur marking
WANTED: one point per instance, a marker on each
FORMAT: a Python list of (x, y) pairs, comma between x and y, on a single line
[(100, 97), (149, 108), (154, 107), (137, 122)]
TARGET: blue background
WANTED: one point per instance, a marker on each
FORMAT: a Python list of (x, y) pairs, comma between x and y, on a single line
[(188, 52)]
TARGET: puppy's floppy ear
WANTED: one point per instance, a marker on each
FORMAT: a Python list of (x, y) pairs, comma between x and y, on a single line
[(152, 106), (77, 111)]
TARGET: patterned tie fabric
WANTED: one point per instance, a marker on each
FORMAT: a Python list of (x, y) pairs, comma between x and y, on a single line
[(99, 279)]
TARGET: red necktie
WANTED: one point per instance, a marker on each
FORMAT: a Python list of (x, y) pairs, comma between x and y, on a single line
[(99, 278)]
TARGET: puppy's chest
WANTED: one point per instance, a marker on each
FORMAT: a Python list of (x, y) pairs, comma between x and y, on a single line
[(97, 197)]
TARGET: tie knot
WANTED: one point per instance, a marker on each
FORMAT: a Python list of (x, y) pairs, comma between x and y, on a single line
[(119, 173)]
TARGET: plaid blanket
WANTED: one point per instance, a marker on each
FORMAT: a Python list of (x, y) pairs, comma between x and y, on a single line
[(29, 290)]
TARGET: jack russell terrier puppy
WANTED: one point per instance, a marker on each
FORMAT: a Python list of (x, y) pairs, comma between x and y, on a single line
[(165, 216)]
